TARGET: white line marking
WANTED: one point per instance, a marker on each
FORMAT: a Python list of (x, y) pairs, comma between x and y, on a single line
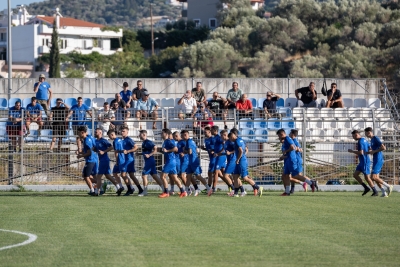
[(32, 238)]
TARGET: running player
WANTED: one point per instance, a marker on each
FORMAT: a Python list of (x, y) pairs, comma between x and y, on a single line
[(229, 152), (120, 162), (148, 151), (376, 149), (291, 163), (364, 163), (181, 159), (230, 169), (169, 149), (102, 147), (209, 146), (129, 166), (241, 168), (90, 158), (293, 134), (220, 158)]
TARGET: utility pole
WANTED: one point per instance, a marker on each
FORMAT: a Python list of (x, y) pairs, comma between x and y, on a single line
[(9, 52), (152, 30)]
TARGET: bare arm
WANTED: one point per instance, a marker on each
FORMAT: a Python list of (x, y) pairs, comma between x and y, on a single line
[(381, 148), (135, 147), (291, 148), (239, 156), (181, 100), (36, 88), (361, 152), (69, 115)]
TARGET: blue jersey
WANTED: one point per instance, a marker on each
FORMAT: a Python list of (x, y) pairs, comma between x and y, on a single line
[(230, 146), (102, 145), (193, 158), (363, 145), (218, 144), (34, 109), (14, 113), (239, 143), (79, 114), (126, 96), (128, 144), (181, 146), (147, 148), (299, 156), (88, 145), (209, 144), (43, 91), (376, 143), (119, 148), (169, 156), (292, 154)]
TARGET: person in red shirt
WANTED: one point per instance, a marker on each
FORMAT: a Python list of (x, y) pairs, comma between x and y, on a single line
[(244, 107)]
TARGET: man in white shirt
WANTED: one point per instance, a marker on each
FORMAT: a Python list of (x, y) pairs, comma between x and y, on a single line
[(105, 117), (189, 104)]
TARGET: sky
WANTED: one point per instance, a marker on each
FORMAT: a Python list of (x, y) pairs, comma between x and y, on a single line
[(14, 3)]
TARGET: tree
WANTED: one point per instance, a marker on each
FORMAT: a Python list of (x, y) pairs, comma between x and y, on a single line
[(54, 71)]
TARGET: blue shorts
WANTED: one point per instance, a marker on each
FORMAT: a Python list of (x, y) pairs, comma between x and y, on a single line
[(95, 169), (241, 169), (194, 169), (170, 168), (299, 168), (88, 169), (211, 165), (377, 166), (149, 168), (104, 167), (116, 169), (178, 165), (364, 169), (184, 166), (230, 167), (220, 163), (127, 166), (290, 168)]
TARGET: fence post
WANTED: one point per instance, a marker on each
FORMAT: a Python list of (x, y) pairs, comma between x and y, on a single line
[(95, 87), (288, 87), (92, 120), (22, 149), (304, 143), (166, 117)]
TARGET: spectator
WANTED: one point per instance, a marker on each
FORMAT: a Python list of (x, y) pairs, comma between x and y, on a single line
[(126, 95), (33, 114), (78, 114), (215, 106), (138, 91), (203, 120), (43, 92), (244, 107), (269, 105), (233, 96), (57, 116), (105, 117), (308, 96), (121, 115), (334, 97), (189, 104), (118, 99), (147, 107), (14, 125), (199, 94)]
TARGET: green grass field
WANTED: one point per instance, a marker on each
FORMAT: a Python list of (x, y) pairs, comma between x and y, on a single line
[(306, 229)]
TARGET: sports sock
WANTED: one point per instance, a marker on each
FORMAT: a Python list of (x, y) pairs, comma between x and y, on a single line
[(213, 188), (383, 190), (117, 186), (181, 189), (236, 191), (120, 185), (195, 187), (140, 188), (255, 187), (309, 182), (374, 189), (292, 187), (95, 190), (207, 187), (166, 190), (241, 189), (232, 187), (131, 187), (172, 188), (365, 186), (386, 184), (287, 189), (301, 183), (91, 189)]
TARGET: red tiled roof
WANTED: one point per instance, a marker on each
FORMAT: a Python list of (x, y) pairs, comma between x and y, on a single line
[(71, 22)]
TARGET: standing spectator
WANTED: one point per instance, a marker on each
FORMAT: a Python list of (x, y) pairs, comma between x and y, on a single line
[(33, 114), (233, 96), (334, 97), (105, 117), (57, 116), (118, 99), (216, 106), (189, 104), (269, 105), (138, 92), (244, 107), (308, 96), (147, 107), (198, 94), (78, 114), (14, 125), (126, 95), (43, 92)]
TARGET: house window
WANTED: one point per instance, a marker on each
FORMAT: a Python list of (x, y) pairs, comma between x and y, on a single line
[(47, 42), (212, 23), (43, 42), (197, 22), (84, 44), (65, 45), (62, 44)]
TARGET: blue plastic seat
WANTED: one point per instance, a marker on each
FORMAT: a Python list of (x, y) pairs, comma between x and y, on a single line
[(288, 123), (260, 123), (246, 123), (261, 135), (247, 135), (32, 137), (260, 102), (70, 101), (253, 102), (87, 102), (3, 103), (273, 124), (280, 103), (46, 135), (26, 102), (11, 101)]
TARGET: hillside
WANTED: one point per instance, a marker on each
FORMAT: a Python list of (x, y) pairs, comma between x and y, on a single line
[(126, 13)]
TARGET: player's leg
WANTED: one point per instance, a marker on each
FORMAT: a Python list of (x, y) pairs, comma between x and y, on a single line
[(371, 184), (236, 184), (86, 172), (40, 124), (174, 177), (356, 176)]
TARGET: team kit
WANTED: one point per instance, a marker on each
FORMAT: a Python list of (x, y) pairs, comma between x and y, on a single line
[(227, 160)]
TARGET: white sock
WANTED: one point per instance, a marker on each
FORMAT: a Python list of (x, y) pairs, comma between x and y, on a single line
[(145, 188), (287, 189), (117, 186), (91, 189), (208, 187), (309, 182), (386, 184), (301, 183), (374, 187)]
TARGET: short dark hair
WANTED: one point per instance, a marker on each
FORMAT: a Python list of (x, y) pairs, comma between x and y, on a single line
[(16, 102), (294, 132), (82, 128), (79, 98), (184, 131), (110, 132), (33, 98), (174, 133), (198, 83), (167, 131), (143, 131), (280, 131), (105, 103), (355, 132), (124, 128), (215, 128), (125, 84), (333, 84), (230, 134), (223, 131), (207, 128), (99, 129), (368, 129), (139, 81), (235, 131)]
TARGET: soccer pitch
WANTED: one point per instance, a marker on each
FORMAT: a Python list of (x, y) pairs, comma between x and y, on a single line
[(306, 229)]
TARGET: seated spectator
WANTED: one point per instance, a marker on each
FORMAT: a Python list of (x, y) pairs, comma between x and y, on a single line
[(334, 97), (33, 114), (233, 96), (189, 104), (78, 114), (244, 107), (105, 117), (14, 126), (308, 96), (118, 99), (138, 92), (198, 94), (57, 116), (121, 115), (147, 107), (269, 105), (215, 106), (126, 95), (203, 120)]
